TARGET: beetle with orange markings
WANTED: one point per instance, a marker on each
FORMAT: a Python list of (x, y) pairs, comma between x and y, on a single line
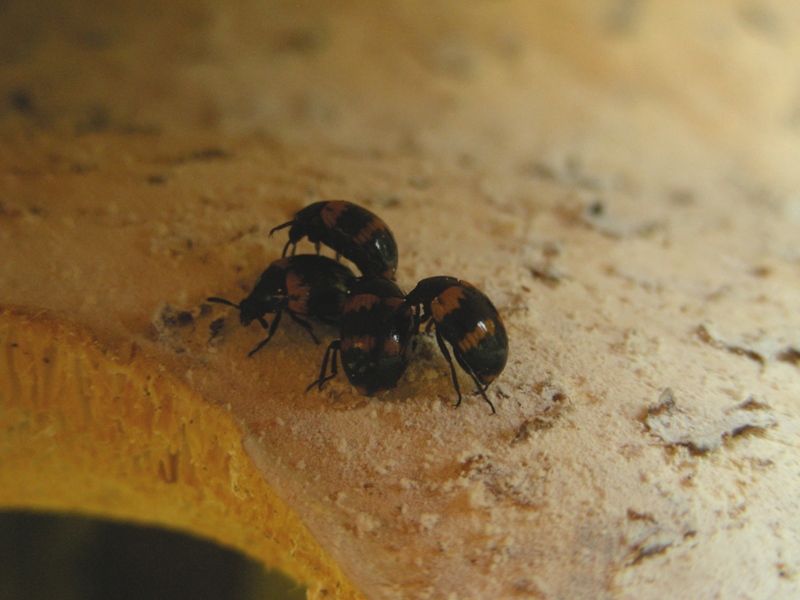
[(375, 341), (350, 230), (465, 318), (302, 286), (377, 321)]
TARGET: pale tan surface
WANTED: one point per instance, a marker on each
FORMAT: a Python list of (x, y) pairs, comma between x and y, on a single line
[(621, 180)]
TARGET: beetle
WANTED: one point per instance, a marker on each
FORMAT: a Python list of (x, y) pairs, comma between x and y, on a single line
[(465, 318), (376, 335), (306, 285), (350, 230)]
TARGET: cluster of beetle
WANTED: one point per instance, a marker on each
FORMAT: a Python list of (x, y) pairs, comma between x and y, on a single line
[(377, 321)]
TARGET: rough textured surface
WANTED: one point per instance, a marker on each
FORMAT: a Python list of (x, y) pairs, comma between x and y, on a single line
[(620, 179)]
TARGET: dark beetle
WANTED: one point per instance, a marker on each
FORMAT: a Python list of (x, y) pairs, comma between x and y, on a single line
[(348, 229), (466, 319), (306, 285), (376, 338)]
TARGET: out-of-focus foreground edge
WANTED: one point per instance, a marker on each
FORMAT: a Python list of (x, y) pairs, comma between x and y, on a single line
[(85, 432)]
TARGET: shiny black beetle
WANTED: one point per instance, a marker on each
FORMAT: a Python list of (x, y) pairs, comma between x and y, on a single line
[(306, 285), (377, 331), (350, 230), (465, 318)]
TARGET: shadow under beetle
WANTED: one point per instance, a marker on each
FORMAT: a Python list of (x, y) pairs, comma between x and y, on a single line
[(377, 332), (350, 230), (306, 285), (465, 318)]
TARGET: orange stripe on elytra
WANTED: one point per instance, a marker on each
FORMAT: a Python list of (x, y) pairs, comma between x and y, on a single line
[(474, 337), (368, 232), (361, 302), (487, 378), (446, 302), (358, 342), (332, 211), (298, 292)]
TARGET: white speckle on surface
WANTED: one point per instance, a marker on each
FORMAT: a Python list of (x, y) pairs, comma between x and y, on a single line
[(408, 484), (428, 521), (477, 495), (366, 523)]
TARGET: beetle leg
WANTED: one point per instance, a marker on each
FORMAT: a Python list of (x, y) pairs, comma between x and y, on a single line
[(272, 329), (416, 320), (482, 389), (305, 324), (446, 353), (430, 324), (331, 353), (425, 317)]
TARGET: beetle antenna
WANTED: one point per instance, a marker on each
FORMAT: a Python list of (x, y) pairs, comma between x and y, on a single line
[(279, 227), (223, 301)]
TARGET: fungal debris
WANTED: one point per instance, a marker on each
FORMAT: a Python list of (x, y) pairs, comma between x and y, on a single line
[(167, 316), (547, 273), (551, 406), (701, 433), (758, 346), (597, 216), (490, 479), (647, 536), (171, 325), (540, 262)]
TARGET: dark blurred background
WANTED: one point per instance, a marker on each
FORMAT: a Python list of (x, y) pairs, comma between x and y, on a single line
[(56, 557)]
